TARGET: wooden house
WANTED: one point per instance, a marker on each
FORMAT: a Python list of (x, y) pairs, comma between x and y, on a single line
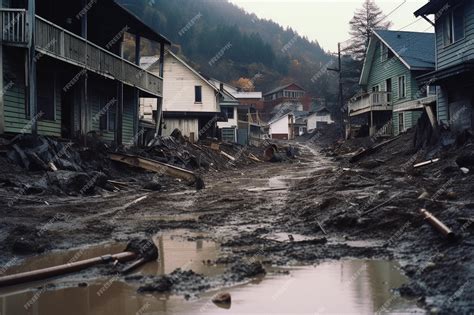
[(63, 71), (454, 74), (319, 119), (191, 103), (392, 99), (282, 127)]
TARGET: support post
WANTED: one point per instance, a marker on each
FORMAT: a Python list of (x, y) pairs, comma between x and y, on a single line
[(85, 111), (136, 118), (2, 96), (32, 91), (119, 116), (341, 96), (159, 103)]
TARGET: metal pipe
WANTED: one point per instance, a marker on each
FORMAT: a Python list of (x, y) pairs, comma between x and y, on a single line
[(437, 224), (63, 269)]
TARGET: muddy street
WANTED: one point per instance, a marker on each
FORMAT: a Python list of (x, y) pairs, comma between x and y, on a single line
[(239, 235)]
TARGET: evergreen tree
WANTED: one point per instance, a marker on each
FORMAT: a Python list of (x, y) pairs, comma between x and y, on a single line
[(365, 19)]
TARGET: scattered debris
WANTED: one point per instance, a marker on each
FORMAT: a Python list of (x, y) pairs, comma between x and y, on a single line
[(437, 224), (425, 163)]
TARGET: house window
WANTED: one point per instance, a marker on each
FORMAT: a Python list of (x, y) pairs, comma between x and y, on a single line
[(402, 88), (198, 94), (453, 26), (383, 52), (388, 89), (108, 116), (46, 100), (228, 111), (401, 123), (430, 90)]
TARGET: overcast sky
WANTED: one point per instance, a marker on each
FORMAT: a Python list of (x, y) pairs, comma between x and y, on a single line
[(327, 21)]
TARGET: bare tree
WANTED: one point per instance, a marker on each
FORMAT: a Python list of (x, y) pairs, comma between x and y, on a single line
[(365, 19)]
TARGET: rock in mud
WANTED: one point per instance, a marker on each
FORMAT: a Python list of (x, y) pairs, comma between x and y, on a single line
[(222, 299), (242, 270), (178, 281), (157, 284)]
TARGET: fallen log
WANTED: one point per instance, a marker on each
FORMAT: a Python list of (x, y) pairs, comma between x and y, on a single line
[(158, 167), (371, 150), (437, 224), (425, 163), (147, 251)]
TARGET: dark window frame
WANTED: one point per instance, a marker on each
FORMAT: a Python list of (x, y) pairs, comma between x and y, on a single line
[(198, 94)]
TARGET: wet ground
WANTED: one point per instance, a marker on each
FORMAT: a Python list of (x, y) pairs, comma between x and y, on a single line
[(246, 216)]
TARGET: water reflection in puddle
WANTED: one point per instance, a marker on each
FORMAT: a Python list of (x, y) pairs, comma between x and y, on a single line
[(353, 286)]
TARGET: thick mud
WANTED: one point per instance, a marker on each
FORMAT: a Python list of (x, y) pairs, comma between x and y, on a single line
[(236, 235)]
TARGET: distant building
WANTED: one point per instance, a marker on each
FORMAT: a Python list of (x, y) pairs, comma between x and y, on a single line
[(319, 119), (282, 127), (191, 103), (288, 94)]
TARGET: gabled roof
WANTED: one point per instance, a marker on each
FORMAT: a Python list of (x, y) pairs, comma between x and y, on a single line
[(229, 99), (414, 49), (168, 52), (282, 88)]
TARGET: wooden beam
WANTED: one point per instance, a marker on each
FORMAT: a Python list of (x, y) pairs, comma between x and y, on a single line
[(155, 166), (2, 96), (32, 91)]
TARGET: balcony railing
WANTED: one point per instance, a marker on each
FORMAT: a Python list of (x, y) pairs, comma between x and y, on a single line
[(374, 101), (55, 41), (14, 27)]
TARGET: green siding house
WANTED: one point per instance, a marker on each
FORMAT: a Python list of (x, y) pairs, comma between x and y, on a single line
[(392, 99), (62, 70), (454, 75)]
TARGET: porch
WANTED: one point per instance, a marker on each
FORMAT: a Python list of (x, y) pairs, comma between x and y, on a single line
[(370, 102), (59, 43)]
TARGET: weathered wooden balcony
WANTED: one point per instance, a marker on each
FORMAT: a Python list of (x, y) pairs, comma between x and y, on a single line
[(367, 102), (14, 27), (59, 43)]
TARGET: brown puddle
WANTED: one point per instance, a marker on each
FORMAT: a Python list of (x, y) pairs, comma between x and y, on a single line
[(351, 286)]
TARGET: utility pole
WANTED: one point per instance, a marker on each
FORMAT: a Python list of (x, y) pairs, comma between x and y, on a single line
[(341, 96)]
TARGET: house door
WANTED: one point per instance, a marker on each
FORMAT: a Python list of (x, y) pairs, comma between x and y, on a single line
[(388, 89)]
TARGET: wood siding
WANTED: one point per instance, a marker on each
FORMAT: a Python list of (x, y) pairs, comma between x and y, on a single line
[(393, 68), (178, 89), (16, 118), (461, 50)]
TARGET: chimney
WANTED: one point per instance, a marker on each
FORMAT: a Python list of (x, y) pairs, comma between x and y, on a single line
[(221, 87)]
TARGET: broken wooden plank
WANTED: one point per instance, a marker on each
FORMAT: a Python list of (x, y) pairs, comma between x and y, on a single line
[(154, 166), (228, 156), (425, 163), (253, 157), (371, 150), (215, 146)]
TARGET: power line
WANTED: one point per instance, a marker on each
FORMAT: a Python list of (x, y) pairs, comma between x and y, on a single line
[(428, 28), (391, 12), (416, 21)]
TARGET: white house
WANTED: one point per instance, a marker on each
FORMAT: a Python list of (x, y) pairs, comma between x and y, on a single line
[(282, 127), (229, 107), (319, 119), (191, 103)]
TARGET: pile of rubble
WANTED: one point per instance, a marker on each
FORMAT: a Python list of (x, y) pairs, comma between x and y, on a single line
[(37, 165)]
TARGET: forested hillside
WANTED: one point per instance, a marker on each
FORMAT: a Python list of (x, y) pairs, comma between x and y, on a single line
[(200, 29)]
